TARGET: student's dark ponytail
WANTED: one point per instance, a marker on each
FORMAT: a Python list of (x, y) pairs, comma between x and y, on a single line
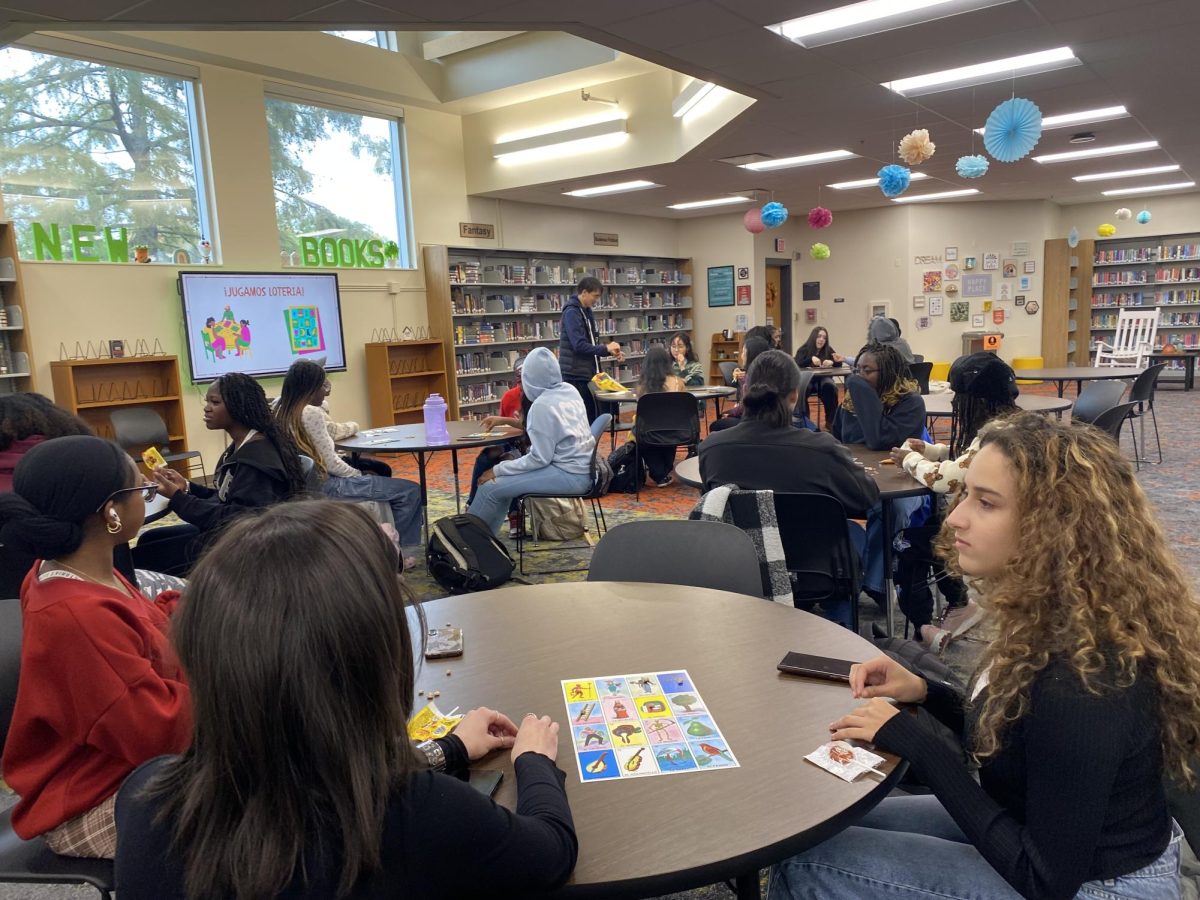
[(770, 382)]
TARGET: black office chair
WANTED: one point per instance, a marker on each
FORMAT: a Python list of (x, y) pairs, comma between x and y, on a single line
[(801, 410), (1141, 392), (921, 372), (1095, 398), (821, 559), (727, 367), (138, 427), (32, 862), (665, 419), (1112, 420), (701, 554), (592, 495)]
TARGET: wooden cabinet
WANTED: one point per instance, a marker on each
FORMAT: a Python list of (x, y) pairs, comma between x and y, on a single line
[(16, 364), (400, 375), (722, 349)]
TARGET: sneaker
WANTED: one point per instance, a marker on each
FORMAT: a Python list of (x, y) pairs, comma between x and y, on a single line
[(957, 619), (665, 481), (514, 525), (410, 563)]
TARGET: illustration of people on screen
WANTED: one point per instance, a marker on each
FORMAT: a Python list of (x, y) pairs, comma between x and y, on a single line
[(214, 339), (227, 334), (243, 338)]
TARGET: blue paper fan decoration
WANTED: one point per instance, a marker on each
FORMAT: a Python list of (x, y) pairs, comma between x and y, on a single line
[(1013, 129), (1073, 237), (971, 166), (894, 180), (774, 214)]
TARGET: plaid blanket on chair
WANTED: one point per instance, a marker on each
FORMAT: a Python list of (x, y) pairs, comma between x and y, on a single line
[(754, 513)]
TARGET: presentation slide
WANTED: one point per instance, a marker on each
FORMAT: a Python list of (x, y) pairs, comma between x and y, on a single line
[(260, 324)]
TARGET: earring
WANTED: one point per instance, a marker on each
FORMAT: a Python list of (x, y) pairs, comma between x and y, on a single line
[(114, 523)]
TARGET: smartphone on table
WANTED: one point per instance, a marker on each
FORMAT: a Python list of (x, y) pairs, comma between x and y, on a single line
[(815, 666), (485, 781)]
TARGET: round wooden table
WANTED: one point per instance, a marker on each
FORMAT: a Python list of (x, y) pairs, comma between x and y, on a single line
[(643, 837), (700, 392), (830, 372), (939, 404), (1078, 374)]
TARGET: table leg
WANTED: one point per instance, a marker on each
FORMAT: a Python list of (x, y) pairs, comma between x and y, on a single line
[(424, 495), (1189, 371), (454, 465), (889, 586), (747, 887)]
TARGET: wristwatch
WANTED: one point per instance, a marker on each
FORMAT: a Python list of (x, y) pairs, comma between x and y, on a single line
[(434, 755)]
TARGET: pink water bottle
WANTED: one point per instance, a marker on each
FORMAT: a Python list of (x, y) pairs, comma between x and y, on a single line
[(435, 420)]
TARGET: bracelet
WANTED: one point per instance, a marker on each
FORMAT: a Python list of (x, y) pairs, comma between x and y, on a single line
[(434, 755)]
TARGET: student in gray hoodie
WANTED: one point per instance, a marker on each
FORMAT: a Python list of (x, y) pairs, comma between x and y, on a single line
[(560, 444), (887, 331)]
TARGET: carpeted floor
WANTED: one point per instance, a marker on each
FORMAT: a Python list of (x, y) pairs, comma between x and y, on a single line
[(1173, 487)]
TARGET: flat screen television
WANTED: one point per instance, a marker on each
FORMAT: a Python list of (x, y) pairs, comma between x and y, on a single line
[(259, 323)]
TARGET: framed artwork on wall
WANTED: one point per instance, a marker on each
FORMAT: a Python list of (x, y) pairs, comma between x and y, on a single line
[(969, 263), (960, 311), (935, 306), (720, 285), (951, 254), (977, 320), (1030, 266), (931, 281), (991, 262), (919, 301), (879, 308), (1010, 268)]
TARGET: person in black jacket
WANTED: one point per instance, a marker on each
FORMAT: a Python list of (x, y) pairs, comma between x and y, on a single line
[(816, 353), (884, 407), (579, 347), (300, 781), (261, 466), (1081, 705)]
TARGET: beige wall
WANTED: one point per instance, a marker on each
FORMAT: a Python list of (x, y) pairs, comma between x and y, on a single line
[(718, 241), (1170, 214)]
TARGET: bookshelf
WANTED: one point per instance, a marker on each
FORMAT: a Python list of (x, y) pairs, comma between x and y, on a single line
[(16, 364), (400, 375), (491, 307), (722, 350), (93, 388), (1160, 272), (1065, 323)]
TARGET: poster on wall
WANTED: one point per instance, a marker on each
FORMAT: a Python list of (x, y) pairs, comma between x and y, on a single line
[(969, 263), (923, 323), (951, 254), (977, 320), (1006, 291), (810, 316), (1010, 268), (1026, 283), (743, 295), (931, 281), (919, 301), (741, 322), (960, 311), (935, 306), (1020, 301), (991, 262), (952, 272), (1030, 266), (997, 316), (987, 306), (720, 285), (879, 308), (977, 286)]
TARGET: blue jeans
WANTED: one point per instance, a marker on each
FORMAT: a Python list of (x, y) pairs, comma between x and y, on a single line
[(870, 545), (403, 496), (910, 847), (492, 497)]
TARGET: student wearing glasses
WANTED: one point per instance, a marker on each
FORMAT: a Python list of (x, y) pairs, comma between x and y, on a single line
[(100, 689)]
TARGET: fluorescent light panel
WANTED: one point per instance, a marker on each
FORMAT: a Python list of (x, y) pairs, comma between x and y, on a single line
[(618, 188), (1150, 189), (811, 159), (567, 142), (1127, 173), (870, 182), (1083, 117), (940, 195), (871, 17), (717, 201), (690, 96), (984, 73), (1091, 153)]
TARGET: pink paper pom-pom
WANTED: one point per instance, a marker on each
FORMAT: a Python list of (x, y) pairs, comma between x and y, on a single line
[(820, 217)]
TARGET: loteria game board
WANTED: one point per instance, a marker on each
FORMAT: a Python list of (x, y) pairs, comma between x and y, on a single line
[(632, 726)]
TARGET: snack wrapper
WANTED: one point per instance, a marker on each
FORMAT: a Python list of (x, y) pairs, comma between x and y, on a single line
[(607, 383), (845, 761), (429, 723), (152, 458)]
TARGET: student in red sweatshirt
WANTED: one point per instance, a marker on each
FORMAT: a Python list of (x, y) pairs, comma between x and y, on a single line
[(100, 689)]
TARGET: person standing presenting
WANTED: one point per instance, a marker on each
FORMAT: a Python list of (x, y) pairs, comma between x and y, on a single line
[(579, 352)]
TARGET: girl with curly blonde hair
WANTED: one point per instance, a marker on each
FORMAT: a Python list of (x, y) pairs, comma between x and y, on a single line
[(1077, 711)]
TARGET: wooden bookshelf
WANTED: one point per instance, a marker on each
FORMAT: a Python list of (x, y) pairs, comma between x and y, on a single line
[(722, 350), (16, 358), (1065, 313), (400, 375)]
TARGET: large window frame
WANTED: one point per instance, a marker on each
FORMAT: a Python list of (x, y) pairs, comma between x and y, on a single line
[(383, 40)]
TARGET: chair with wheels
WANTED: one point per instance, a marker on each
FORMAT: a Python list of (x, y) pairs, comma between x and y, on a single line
[(592, 495), (1141, 392), (920, 372), (1095, 398), (139, 427), (821, 560), (701, 554), (727, 367), (665, 419), (32, 862)]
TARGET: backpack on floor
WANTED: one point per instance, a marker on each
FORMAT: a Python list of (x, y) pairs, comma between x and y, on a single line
[(464, 556), (626, 479), (556, 518)]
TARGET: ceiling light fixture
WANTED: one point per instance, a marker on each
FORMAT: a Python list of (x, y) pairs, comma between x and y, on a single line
[(1083, 137), (1127, 173), (618, 188), (789, 162), (564, 142), (870, 182), (870, 17), (690, 96), (984, 73), (718, 201), (941, 195), (1083, 117), (1114, 150), (1150, 189)]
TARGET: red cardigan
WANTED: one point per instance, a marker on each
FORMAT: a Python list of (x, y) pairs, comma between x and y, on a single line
[(100, 693), (10, 457)]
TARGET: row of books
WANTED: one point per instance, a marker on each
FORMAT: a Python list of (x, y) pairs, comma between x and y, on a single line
[(480, 391), (1145, 276), (1165, 320), (471, 272), (548, 329), (1149, 254), (1175, 297), (474, 304)]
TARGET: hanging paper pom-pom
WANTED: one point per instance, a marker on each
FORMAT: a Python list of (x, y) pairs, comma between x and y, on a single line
[(971, 166), (1124, 213), (752, 221), (916, 147), (819, 251), (1143, 218), (893, 180), (1013, 129), (774, 214), (820, 217), (1106, 230), (1073, 237)]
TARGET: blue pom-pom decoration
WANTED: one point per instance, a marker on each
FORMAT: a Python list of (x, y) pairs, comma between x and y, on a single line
[(971, 166), (774, 214), (1013, 129), (1143, 218), (1073, 237), (894, 180)]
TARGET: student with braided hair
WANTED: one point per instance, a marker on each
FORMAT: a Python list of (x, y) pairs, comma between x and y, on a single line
[(883, 405), (261, 466)]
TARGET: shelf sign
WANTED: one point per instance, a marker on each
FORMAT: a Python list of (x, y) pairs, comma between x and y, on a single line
[(89, 243), (605, 239), (477, 230)]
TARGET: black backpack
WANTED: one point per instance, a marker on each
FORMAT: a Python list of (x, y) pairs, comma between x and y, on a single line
[(626, 479), (464, 556)]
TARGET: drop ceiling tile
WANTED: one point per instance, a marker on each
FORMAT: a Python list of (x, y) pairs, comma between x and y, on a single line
[(695, 21)]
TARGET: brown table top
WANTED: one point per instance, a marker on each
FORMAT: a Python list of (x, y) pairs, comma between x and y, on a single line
[(939, 404), (412, 437), (648, 836), (701, 392), (1079, 373), (830, 372)]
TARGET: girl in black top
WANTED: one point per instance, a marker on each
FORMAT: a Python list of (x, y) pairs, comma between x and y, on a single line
[(261, 466), (1075, 713), (816, 353), (300, 781)]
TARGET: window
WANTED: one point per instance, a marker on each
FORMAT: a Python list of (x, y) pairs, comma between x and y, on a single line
[(385, 40), (341, 175), (99, 147)]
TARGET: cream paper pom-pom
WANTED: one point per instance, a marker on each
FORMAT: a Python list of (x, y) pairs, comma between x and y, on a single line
[(916, 147)]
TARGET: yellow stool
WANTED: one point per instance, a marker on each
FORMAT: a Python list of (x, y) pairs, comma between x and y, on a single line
[(1027, 362), (940, 371)]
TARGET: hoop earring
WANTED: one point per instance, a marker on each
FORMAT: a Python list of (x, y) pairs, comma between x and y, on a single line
[(113, 525)]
